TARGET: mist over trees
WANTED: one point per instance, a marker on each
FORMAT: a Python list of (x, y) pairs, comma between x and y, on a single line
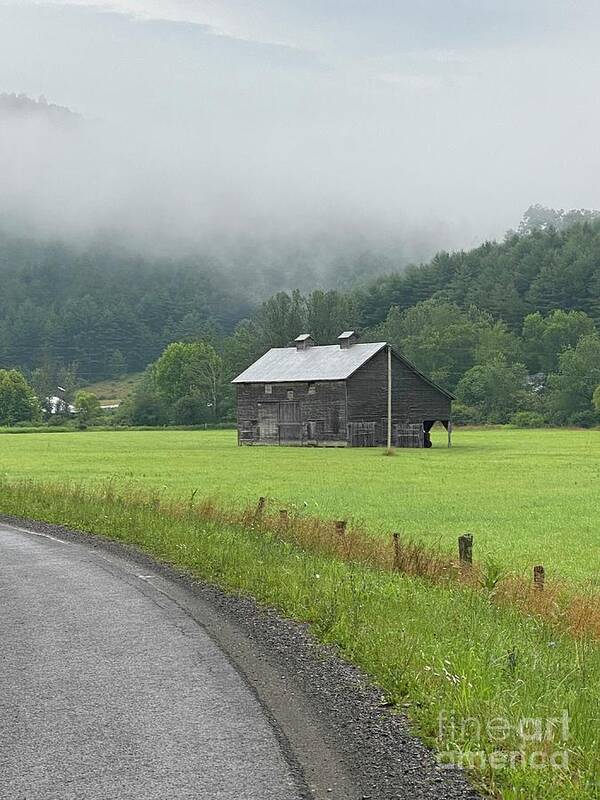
[(510, 327), (111, 311), (101, 311), (20, 105), (542, 218)]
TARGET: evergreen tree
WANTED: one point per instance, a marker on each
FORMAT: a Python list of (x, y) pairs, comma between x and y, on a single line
[(116, 366)]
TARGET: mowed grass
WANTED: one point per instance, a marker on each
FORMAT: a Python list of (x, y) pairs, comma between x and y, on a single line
[(529, 497)]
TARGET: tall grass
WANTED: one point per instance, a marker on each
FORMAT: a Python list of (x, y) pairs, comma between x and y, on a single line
[(433, 646), (567, 607)]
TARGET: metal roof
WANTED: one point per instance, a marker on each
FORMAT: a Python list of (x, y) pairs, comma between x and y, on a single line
[(326, 363)]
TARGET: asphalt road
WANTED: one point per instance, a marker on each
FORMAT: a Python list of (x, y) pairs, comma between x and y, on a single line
[(109, 689)]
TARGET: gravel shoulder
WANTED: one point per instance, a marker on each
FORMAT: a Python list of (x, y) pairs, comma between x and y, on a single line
[(338, 736)]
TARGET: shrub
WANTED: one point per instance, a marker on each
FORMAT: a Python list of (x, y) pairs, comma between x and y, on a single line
[(596, 399), (527, 419), (583, 419), (18, 402), (59, 421), (495, 388), (88, 408), (465, 415), (146, 409), (190, 410)]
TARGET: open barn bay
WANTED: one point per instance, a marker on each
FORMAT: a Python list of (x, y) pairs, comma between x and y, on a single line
[(529, 497)]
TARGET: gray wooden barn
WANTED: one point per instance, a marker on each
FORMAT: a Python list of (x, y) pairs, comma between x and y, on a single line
[(348, 394)]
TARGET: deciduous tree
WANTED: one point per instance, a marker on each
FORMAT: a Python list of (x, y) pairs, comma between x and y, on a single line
[(497, 389), (18, 402), (88, 407), (571, 389), (190, 369)]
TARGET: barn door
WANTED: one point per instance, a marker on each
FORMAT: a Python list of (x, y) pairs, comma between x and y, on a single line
[(362, 434), (268, 423), (407, 434), (290, 426)]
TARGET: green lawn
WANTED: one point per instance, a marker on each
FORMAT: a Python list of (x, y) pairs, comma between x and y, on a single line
[(528, 497)]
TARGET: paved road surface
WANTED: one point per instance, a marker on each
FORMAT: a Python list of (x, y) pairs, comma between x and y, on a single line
[(109, 690)]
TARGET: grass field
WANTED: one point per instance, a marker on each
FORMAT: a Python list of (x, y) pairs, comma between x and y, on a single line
[(529, 497)]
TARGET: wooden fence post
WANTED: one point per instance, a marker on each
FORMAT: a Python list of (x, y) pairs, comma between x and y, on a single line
[(340, 526), (465, 549), (260, 507), (396, 537), (539, 576)]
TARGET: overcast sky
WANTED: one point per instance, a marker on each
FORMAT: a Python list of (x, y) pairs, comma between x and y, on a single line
[(446, 115)]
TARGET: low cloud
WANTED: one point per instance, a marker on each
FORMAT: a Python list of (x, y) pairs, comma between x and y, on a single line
[(205, 122)]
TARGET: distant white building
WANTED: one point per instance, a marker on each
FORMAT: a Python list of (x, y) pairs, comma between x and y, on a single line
[(57, 405)]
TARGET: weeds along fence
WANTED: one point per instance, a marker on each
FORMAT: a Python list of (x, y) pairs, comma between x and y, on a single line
[(570, 608), (337, 539), (577, 612)]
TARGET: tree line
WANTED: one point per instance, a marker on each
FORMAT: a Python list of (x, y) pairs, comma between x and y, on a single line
[(100, 311), (511, 328), (549, 373)]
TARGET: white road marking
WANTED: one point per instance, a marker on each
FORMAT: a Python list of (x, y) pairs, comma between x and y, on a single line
[(36, 533)]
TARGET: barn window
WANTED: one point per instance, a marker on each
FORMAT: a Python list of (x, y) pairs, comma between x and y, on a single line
[(312, 388), (290, 394), (268, 388)]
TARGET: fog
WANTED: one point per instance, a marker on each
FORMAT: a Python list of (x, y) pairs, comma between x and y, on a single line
[(392, 126)]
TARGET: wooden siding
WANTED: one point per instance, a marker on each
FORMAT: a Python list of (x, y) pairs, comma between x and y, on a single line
[(414, 400), (367, 391), (418, 400), (301, 415)]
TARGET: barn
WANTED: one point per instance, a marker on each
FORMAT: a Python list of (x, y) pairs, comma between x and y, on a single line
[(348, 395)]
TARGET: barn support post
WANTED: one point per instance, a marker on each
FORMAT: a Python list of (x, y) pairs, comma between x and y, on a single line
[(389, 398)]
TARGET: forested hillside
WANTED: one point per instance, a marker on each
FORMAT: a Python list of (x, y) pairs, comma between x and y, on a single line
[(102, 309), (537, 271), (107, 310), (509, 326)]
